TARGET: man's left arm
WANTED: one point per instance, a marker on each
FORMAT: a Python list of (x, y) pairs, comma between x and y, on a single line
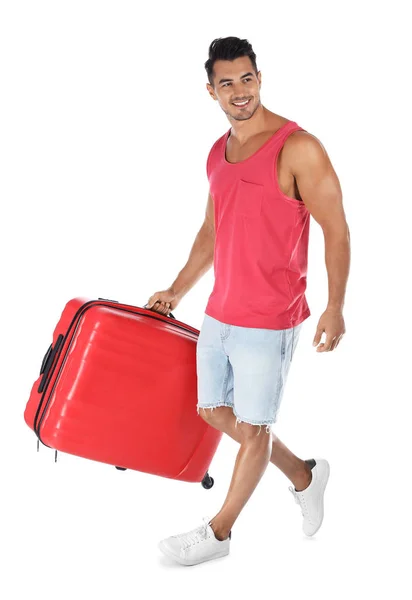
[(320, 190)]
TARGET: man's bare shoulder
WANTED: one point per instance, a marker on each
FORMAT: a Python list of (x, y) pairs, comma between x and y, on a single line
[(303, 147)]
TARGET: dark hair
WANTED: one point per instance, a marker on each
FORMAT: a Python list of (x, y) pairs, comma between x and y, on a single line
[(228, 48)]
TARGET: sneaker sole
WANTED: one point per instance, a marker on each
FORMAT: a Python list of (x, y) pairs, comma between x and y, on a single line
[(187, 562)]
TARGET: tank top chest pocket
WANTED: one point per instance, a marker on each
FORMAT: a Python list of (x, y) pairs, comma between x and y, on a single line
[(249, 198)]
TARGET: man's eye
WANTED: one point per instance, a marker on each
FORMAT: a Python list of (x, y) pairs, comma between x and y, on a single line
[(246, 79)]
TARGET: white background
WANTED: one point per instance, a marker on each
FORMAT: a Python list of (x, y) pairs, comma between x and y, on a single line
[(106, 124)]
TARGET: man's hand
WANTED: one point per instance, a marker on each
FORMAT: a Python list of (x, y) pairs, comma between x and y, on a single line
[(331, 322), (163, 302)]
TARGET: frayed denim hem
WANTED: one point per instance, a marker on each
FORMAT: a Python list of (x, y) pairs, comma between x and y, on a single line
[(238, 419), (268, 424), (212, 406)]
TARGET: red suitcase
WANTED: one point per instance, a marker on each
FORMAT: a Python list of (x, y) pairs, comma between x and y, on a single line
[(119, 385)]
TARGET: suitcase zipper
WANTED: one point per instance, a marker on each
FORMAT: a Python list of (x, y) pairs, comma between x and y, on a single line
[(38, 419)]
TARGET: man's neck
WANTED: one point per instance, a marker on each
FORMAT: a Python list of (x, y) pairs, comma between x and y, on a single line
[(262, 120)]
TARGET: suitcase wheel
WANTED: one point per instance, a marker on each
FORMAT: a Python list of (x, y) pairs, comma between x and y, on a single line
[(207, 481), (121, 468)]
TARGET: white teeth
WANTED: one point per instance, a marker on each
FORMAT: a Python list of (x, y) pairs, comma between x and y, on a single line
[(240, 103)]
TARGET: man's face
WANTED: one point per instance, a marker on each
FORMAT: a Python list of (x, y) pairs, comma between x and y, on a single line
[(236, 81)]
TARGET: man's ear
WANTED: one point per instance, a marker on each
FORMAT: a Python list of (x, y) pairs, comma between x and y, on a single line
[(210, 90)]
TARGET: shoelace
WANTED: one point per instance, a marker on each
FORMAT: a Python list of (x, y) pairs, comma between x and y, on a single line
[(300, 500), (195, 535)]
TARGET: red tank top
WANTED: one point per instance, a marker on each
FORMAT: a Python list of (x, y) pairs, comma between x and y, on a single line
[(261, 244)]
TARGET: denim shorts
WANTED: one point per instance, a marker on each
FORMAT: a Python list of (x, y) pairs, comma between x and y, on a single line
[(245, 368)]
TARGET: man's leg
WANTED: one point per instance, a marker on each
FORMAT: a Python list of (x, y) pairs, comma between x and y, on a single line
[(296, 470), (251, 462)]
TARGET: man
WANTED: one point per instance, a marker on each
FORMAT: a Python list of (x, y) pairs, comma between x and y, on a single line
[(267, 176)]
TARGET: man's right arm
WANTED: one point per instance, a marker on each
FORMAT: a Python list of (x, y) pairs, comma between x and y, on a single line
[(201, 255)]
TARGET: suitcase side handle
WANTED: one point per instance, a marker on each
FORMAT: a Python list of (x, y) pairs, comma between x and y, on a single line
[(48, 361), (45, 359), (169, 315), (107, 300)]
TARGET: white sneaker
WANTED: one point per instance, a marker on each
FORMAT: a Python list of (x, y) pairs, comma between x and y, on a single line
[(195, 546), (311, 498)]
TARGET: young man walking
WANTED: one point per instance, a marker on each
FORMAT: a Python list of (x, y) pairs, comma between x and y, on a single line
[(267, 175)]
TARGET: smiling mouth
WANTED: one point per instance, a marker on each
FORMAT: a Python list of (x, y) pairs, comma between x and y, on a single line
[(240, 104)]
